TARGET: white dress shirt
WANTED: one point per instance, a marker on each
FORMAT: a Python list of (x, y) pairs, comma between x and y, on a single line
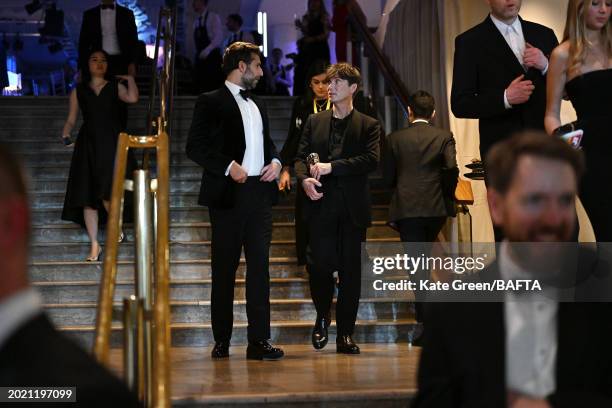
[(513, 34), (110, 40), (213, 28), (253, 160), (16, 311), (531, 335)]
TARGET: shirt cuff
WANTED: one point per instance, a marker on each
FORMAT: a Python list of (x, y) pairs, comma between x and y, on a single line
[(545, 70), (506, 103), (278, 161), (229, 167)]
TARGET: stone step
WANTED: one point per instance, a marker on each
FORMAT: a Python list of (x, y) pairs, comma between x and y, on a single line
[(66, 292), (197, 269), (184, 232), (193, 214), (198, 311), (78, 251), (282, 332), (178, 182), (56, 199)]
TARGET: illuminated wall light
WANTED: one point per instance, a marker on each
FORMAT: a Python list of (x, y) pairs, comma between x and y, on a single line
[(262, 28)]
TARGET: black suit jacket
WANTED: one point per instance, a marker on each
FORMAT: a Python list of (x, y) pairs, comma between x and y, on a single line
[(36, 355), (359, 157), (90, 38), (463, 361), (484, 67), (420, 163), (216, 137)]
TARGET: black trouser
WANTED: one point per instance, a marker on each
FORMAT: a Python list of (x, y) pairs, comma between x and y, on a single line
[(249, 223), (301, 226), (335, 244), (420, 229), (208, 74)]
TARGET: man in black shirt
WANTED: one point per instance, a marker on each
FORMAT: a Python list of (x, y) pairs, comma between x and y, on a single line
[(338, 211)]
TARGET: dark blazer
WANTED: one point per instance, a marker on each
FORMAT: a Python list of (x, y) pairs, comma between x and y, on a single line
[(216, 137), (484, 67), (37, 355), (420, 163), (90, 37), (463, 362), (299, 115), (359, 157)]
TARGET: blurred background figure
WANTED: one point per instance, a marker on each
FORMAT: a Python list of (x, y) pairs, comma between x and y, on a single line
[(315, 100), (32, 351), (580, 68), (233, 23), (315, 27), (280, 77), (91, 170), (208, 39), (112, 28)]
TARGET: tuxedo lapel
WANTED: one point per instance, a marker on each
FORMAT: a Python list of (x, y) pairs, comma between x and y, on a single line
[(353, 131), (235, 117), (498, 46), (97, 26)]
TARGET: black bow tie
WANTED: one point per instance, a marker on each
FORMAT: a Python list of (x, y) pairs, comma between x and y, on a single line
[(107, 6), (245, 93)]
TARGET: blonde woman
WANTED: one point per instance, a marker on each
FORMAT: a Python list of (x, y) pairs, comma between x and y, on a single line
[(581, 69)]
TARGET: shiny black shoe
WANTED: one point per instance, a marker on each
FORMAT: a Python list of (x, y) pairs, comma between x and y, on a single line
[(346, 345), (263, 350), (221, 350), (319, 332)]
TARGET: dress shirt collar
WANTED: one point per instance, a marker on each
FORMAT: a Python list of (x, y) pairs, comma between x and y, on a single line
[(234, 89), (419, 121), (16, 310), (503, 27)]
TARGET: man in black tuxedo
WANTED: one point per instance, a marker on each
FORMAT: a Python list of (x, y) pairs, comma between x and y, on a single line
[(499, 74), (338, 211), (112, 28), (420, 164), (230, 139), (208, 40), (32, 352), (527, 350)]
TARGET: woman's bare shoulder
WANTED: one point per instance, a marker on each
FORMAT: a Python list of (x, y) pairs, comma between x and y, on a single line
[(562, 51)]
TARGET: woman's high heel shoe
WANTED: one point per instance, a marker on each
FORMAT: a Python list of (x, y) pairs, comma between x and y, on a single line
[(96, 258)]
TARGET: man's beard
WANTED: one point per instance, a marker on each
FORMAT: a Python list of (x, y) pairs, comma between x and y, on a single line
[(249, 82)]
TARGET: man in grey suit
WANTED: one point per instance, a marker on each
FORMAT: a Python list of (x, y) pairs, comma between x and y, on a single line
[(419, 163)]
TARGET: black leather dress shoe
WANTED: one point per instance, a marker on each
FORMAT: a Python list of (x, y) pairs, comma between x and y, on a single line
[(221, 350), (263, 350), (346, 345), (319, 332)]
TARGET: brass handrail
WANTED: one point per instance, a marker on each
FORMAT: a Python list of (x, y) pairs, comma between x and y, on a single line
[(358, 22), (156, 372)]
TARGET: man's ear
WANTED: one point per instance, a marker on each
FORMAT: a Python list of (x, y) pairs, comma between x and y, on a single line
[(242, 66), (496, 206), (353, 88)]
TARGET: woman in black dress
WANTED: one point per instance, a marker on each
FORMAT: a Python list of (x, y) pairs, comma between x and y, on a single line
[(91, 169), (315, 100), (582, 67), (315, 26)]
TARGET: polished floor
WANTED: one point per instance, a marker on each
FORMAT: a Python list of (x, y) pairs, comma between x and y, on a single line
[(381, 372)]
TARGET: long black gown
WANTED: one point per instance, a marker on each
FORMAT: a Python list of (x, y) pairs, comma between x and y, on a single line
[(591, 96), (91, 169)]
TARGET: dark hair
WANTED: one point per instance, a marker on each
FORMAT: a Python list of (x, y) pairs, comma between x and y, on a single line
[(501, 161), (86, 73), (322, 10), (238, 51), (422, 104), (237, 18), (316, 68), (277, 50), (346, 71)]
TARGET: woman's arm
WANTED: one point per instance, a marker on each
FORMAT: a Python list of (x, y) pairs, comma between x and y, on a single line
[(555, 85), (73, 111), (129, 94)]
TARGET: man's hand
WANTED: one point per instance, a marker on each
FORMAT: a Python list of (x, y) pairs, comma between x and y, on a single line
[(309, 187), (516, 400), (519, 91), (285, 180), (534, 58), (238, 173), (320, 169), (270, 172)]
